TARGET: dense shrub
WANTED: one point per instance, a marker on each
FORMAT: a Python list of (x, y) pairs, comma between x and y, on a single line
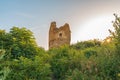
[(86, 44), (22, 59)]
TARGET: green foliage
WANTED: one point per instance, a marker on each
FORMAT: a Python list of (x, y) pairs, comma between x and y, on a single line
[(4, 70), (86, 44), (90, 52), (27, 69), (116, 33), (2, 54), (74, 75), (23, 43), (18, 42), (22, 59), (5, 40), (59, 62)]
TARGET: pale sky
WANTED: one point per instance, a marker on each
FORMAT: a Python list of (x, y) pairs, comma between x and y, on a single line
[(88, 19)]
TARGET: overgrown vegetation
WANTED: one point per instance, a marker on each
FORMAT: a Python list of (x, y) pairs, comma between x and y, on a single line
[(22, 59)]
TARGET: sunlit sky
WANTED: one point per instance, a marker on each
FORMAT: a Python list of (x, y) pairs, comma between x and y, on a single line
[(88, 19)]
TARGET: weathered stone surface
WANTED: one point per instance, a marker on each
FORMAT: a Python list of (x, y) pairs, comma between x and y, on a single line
[(59, 36)]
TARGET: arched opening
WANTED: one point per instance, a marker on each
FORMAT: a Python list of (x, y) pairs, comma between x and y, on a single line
[(60, 34)]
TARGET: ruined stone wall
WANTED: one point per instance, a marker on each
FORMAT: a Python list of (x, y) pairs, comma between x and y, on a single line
[(59, 36)]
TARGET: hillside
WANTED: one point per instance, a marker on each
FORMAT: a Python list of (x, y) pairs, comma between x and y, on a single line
[(22, 59)]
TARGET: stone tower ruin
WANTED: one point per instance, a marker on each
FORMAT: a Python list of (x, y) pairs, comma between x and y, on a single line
[(59, 36)]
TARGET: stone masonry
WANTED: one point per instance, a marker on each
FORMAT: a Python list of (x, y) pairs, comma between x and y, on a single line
[(59, 36)]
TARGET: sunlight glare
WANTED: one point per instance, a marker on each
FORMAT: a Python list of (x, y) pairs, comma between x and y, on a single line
[(95, 28)]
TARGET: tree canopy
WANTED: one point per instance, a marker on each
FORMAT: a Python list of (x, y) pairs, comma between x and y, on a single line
[(22, 59)]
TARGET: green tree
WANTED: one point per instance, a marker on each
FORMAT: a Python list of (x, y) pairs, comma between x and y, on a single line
[(18, 42), (2, 37), (5, 40), (24, 43), (116, 37), (28, 69), (116, 33), (4, 70), (86, 44)]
